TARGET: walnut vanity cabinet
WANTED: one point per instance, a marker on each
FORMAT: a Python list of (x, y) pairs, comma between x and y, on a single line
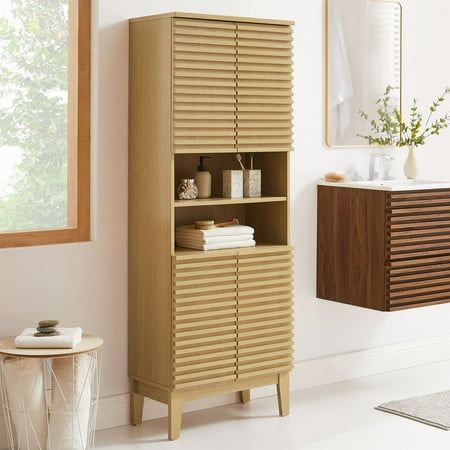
[(384, 250), (206, 323)]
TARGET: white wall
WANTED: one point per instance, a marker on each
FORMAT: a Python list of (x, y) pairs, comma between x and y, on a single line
[(85, 284)]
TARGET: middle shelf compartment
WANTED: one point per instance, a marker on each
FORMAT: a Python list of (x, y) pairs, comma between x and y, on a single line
[(267, 214), (273, 166)]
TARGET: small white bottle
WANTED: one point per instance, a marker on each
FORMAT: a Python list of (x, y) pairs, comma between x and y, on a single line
[(203, 179)]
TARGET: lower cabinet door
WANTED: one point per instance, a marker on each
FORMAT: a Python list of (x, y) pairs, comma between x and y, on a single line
[(204, 319), (264, 304)]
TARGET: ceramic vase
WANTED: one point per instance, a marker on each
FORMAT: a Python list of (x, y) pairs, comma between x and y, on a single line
[(411, 168)]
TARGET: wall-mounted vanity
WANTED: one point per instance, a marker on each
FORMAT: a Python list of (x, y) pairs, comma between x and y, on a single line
[(384, 245)]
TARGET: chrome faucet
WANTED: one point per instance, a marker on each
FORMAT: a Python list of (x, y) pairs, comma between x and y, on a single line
[(375, 174)]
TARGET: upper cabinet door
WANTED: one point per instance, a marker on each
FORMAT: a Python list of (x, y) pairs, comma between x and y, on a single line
[(204, 86), (264, 87)]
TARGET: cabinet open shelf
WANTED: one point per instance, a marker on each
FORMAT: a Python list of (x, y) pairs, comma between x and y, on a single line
[(228, 201)]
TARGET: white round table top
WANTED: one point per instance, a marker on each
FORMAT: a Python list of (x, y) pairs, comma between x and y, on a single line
[(88, 344)]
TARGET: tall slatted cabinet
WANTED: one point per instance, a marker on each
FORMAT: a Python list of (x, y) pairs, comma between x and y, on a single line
[(203, 323)]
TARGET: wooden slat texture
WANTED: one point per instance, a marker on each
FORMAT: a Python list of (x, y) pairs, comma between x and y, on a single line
[(430, 269), (204, 79), (418, 195), (264, 87), (232, 315), (418, 305), (204, 317), (264, 306), (418, 249)]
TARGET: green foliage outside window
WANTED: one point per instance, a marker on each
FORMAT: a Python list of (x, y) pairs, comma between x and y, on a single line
[(33, 111)]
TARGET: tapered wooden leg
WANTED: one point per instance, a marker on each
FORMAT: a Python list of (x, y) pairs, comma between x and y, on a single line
[(244, 396), (136, 405), (283, 394), (175, 407)]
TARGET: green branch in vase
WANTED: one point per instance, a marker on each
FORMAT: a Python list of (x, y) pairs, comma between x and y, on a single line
[(390, 128)]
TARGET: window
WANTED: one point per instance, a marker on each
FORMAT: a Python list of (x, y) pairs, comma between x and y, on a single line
[(44, 121)]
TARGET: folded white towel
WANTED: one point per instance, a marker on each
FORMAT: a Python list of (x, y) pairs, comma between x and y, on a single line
[(182, 236), (68, 338), (218, 246), (221, 231)]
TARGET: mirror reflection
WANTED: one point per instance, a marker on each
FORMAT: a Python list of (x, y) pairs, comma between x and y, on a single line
[(364, 49)]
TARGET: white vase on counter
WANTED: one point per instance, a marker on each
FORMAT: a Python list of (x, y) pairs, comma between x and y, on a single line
[(411, 167)]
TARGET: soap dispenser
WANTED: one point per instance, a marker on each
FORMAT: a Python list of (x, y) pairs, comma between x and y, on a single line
[(203, 179)]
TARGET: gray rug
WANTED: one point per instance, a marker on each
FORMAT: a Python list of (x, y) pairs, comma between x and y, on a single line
[(432, 409)]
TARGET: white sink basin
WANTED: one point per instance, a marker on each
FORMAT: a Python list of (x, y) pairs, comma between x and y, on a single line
[(391, 185)]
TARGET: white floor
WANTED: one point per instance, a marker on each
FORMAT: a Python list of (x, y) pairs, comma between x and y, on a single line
[(333, 417)]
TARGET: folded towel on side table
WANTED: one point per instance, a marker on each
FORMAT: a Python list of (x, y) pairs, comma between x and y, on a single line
[(68, 338)]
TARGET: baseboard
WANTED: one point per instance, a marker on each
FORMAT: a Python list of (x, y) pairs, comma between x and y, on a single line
[(347, 366), (114, 410)]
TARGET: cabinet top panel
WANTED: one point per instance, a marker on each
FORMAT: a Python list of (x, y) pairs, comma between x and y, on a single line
[(213, 17)]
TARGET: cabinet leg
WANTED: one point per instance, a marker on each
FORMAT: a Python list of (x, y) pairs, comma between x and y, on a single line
[(244, 396), (283, 394), (136, 405), (175, 407)]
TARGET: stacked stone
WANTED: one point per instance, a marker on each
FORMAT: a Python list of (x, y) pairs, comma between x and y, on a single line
[(47, 328)]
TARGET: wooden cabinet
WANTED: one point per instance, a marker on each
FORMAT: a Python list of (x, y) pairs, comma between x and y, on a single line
[(263, 87), (204, 86), (204, 319), (264, 312), (204, 323), (232, 315), (232, 86), (383, 250)]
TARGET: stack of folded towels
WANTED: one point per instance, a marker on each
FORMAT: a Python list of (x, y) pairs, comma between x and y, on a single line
[(234, 236)]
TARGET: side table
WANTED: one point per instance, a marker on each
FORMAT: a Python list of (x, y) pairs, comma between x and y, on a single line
[(50, 396)]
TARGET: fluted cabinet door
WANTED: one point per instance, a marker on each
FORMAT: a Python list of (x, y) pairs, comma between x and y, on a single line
[(264, 306), (204, 86), (418, 249), (204, 316), (264, 87)]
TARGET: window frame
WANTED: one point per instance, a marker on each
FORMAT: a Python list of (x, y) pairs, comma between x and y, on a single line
[(79, 141)]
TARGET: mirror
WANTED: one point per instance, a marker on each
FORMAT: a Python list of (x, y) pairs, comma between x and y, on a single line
[(364, 56)]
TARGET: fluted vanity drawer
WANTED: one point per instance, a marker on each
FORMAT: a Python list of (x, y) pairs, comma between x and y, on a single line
[(204, 320), (418, 248)]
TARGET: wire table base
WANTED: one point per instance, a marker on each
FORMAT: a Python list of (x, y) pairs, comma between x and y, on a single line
[(51, 403)]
